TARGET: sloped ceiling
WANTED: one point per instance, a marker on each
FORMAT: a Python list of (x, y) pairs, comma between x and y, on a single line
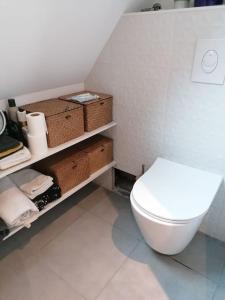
[(51, 43)]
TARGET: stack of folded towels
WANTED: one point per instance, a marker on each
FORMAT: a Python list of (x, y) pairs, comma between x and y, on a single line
[(22, 196), (39, 188), (12, 152), (15, 207)]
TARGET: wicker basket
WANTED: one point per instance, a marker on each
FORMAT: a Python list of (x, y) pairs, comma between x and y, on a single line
[(99, 150), (64, 120), (69, 168), (97, 112)]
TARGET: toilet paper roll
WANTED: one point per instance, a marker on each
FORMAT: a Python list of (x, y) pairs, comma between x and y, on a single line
[(37, 144), (36, 123)]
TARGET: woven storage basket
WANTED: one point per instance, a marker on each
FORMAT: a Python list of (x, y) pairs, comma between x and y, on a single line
[(99, 150), (97, 112), (65, 120), (69, 168)]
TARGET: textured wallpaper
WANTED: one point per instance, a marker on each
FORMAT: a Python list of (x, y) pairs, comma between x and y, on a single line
[(147, 66)]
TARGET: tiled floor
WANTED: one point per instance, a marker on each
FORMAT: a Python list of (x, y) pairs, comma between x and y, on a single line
[(90, 248)]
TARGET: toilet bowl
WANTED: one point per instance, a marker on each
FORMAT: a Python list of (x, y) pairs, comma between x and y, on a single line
[(169, 203)]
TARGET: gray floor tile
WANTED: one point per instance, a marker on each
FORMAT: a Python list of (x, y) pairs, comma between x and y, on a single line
[(147, 275), (8, 246), (49, 225), (116, 210), (222, 276), (37, 241), (88, 253), (220, 293), (30, 279), (74, 253), (91, 200), (204, 255)]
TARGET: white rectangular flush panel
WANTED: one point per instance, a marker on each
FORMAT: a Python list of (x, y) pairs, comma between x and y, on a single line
[(209, 61)]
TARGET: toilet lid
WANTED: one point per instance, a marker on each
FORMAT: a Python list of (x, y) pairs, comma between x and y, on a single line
[(175, 192)]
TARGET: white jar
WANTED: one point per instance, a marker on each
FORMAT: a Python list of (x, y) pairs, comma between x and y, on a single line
[(181, 3)]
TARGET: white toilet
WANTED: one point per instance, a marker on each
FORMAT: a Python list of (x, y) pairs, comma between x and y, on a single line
[(169, 202)]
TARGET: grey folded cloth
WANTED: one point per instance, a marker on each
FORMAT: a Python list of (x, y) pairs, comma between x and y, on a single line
[(4, 230), (31, 182), (84, 97)]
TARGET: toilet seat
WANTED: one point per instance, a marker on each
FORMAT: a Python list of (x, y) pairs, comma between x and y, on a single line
[(157, 218), (175, 193)]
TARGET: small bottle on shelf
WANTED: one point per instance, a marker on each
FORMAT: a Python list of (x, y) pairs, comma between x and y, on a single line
[(12, 111), (13, 128), (21, 114)]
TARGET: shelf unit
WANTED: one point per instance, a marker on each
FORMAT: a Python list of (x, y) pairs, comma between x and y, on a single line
[(57, 149), (50, 152), (64, 196)]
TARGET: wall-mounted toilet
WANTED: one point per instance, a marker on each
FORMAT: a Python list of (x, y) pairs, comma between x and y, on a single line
[(169, 202)]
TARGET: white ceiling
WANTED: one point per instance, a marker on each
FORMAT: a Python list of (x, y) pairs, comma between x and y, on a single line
[(51, 43)]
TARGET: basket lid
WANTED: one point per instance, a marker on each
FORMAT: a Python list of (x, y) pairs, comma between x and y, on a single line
[(51, 107), (60, 159), (100, 95), (94, 143)]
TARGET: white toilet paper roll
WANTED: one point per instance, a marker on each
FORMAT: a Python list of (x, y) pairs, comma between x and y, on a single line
[(37, 144), (36, 123)]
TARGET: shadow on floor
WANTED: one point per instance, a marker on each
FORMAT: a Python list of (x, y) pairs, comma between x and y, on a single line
[(193, 274), (23, 237)]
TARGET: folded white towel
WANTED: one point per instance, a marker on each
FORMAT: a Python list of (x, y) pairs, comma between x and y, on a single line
[(84, 97), (15, 158), (15, 207), (31, 182)]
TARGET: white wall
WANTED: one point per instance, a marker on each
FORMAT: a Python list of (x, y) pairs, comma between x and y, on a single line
[(43, 95), (51, 43), (147, 66)]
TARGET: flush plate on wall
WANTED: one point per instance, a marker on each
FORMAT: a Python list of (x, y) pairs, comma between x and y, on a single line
[(209, 61)]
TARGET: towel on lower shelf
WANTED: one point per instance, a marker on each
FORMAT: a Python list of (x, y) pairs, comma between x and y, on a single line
[(15, 159), (15, 207), (52, 194), (4, 230), (31, 182)]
